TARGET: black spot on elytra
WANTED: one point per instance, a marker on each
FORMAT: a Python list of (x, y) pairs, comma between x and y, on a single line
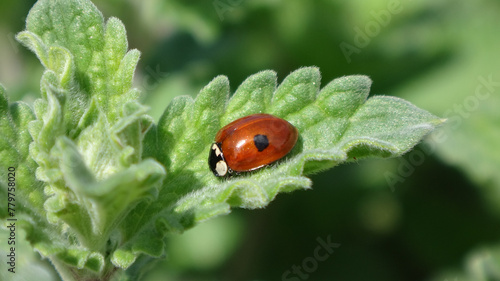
[(261, 142)]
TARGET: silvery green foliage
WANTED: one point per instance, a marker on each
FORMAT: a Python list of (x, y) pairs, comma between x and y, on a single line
[(102, 184)]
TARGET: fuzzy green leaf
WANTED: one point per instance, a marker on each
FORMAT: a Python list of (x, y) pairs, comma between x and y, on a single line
[(25, 188), (14, 157), (336, 124), (254, 94), (87, 135)]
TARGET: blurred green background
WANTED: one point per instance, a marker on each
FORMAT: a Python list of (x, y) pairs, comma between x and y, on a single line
[(433, 214)]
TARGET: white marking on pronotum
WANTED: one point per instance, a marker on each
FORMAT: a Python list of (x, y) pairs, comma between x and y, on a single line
[(215, 147)]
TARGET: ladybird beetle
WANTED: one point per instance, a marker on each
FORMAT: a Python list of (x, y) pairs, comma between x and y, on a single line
[(250, 143)]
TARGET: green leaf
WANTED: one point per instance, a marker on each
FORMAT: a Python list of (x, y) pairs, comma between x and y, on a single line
[(87, 136), (25, 188), (254, 94), (14, 156), (60, 31), (336, 124), (98, 202)]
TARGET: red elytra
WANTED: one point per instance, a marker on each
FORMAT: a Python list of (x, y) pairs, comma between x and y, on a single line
[(250, 143)]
